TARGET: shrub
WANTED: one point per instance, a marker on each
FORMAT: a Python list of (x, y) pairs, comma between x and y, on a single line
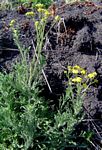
[(45, 2), (26, 121)]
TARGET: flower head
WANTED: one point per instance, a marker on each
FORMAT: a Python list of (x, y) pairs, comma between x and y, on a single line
[(57, 18), (41, 10), (39, 5), (83, 71), (77, 79), (75, 71), (47, 13), (92, 75), (31, 14), (77, 67)]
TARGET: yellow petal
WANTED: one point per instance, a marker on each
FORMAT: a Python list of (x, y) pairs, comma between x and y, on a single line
[(92, 75), (31, 13), (77, 79), (57, 18), (39, 5), (83, 71), (77, 67), (75, 71)]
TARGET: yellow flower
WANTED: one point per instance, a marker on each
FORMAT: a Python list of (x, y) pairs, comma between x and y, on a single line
[(92, 75), (57, 18), (77, 67), (77, 79), (41, 10), (83, 71), (31, 13), (36, 23), (39, 5), (47, 13), (12, 23), (75, 71)]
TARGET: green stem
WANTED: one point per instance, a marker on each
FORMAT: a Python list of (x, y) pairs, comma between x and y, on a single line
[(38, 49)]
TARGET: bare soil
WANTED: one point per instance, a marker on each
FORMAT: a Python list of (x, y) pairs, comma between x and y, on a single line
[(76, 40)]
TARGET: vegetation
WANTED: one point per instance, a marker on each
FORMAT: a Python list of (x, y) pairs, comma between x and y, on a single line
[(9, 4), (26, 119), (45, 2)]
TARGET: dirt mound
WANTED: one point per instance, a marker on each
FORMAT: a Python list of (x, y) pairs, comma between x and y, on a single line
[(77, 39)]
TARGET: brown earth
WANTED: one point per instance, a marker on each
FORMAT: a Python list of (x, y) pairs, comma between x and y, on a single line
[(76, 40)]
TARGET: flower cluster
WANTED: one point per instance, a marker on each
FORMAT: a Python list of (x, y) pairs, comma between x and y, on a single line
[(77, 79), (43, 15), (39, 5), (30, 14), (80, 75), (92, 75), (40, 8), (76, 70), (44, 12)]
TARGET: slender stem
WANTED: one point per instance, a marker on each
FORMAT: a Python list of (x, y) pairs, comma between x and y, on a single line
[(42, 69)]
